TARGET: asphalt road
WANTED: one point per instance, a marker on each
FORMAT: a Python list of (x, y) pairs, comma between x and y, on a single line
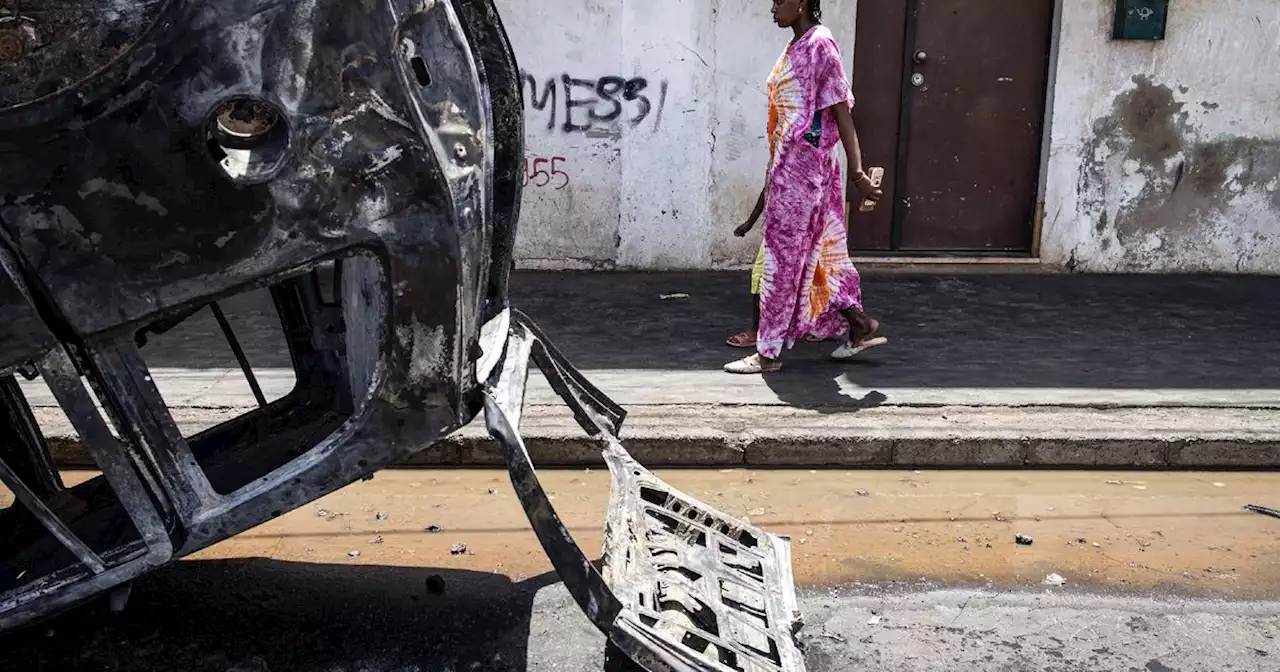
[(902, 571), (272, 616)]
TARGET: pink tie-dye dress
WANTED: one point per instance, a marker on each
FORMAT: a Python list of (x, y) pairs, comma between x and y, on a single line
[(808, 277)]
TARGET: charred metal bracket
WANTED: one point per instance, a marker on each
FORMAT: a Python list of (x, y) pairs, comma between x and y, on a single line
[(684, 587), (114, 566)]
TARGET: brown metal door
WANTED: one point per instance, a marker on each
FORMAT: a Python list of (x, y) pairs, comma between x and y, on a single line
[(968, 139)]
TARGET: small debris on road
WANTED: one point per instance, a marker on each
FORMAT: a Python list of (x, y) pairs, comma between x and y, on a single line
[(435, 584), (1024, 540), (1080, 540), (1097, 545), (874, 620), (379, 516), (459, 549), (1055, 580), (322, 513), (377, 539), (674, 296), (354, 553), (1219, 484), (492, 491), (863, 493), (432, 529), (757, 512)]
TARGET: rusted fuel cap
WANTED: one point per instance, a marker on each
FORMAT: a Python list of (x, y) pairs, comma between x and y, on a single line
[(49, 45)]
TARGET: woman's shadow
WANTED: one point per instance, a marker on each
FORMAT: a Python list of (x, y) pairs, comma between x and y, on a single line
[(814, 384)]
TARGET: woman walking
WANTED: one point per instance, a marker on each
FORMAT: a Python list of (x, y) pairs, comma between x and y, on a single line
[(806, 282)]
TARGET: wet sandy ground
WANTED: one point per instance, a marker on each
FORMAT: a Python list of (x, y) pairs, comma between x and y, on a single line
[(1181, 532), (1185, 533)]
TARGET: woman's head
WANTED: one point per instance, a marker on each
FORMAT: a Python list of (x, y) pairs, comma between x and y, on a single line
[(788, 13)]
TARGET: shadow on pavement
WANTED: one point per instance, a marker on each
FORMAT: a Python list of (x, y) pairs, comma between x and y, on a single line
[(807, 384), (1014, 331), (994, 331), (262, 615)]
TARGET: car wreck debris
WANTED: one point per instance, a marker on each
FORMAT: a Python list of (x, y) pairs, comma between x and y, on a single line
[(363, 168), (1266, 511)]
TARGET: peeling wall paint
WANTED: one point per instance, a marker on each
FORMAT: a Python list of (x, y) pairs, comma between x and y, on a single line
[(1165, 156), (645, 128)]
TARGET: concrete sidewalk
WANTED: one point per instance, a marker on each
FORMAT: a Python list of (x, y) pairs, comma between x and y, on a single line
[(1001, 370)]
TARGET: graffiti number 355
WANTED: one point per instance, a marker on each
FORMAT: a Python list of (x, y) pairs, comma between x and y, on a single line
[(540, 177)]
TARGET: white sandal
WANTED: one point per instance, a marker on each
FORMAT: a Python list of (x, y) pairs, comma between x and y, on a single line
[(752, 364), (849, 350)]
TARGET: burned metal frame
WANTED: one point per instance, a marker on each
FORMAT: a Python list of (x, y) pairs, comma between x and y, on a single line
[(106, 234), (226, 147), (684, 587)]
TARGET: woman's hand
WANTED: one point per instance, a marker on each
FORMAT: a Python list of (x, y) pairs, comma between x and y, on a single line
[(860, 183), (744, 228)]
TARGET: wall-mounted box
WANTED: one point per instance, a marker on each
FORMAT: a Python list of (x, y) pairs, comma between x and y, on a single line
[(1140, 19)]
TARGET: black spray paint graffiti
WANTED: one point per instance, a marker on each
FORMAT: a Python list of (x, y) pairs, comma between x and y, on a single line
[(588, 103)]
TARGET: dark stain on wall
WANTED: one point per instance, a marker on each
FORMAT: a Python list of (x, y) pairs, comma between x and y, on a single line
[(1190, 181)]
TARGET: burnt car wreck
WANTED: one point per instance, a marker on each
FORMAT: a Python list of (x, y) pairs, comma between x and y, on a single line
[(160, 156)]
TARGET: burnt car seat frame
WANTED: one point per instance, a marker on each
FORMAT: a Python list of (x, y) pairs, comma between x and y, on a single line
[(215, 148)]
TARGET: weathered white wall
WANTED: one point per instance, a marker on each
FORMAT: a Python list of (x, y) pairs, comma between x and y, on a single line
[(1165, 156), (664, 184), (1162, 157)]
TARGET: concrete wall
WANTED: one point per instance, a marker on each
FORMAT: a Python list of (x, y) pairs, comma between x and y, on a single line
[(1166, 156), (659, 179), (1162, 157)]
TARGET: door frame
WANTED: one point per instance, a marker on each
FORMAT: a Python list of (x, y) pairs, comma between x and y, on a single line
[(900, 145)]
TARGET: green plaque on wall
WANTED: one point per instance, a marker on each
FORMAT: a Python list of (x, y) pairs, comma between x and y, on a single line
[(1140, 19)]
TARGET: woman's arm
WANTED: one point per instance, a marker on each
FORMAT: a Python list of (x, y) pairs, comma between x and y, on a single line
[(746, 226), (858, 179)]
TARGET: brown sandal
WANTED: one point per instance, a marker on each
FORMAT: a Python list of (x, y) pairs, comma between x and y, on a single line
[(743, 340)]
